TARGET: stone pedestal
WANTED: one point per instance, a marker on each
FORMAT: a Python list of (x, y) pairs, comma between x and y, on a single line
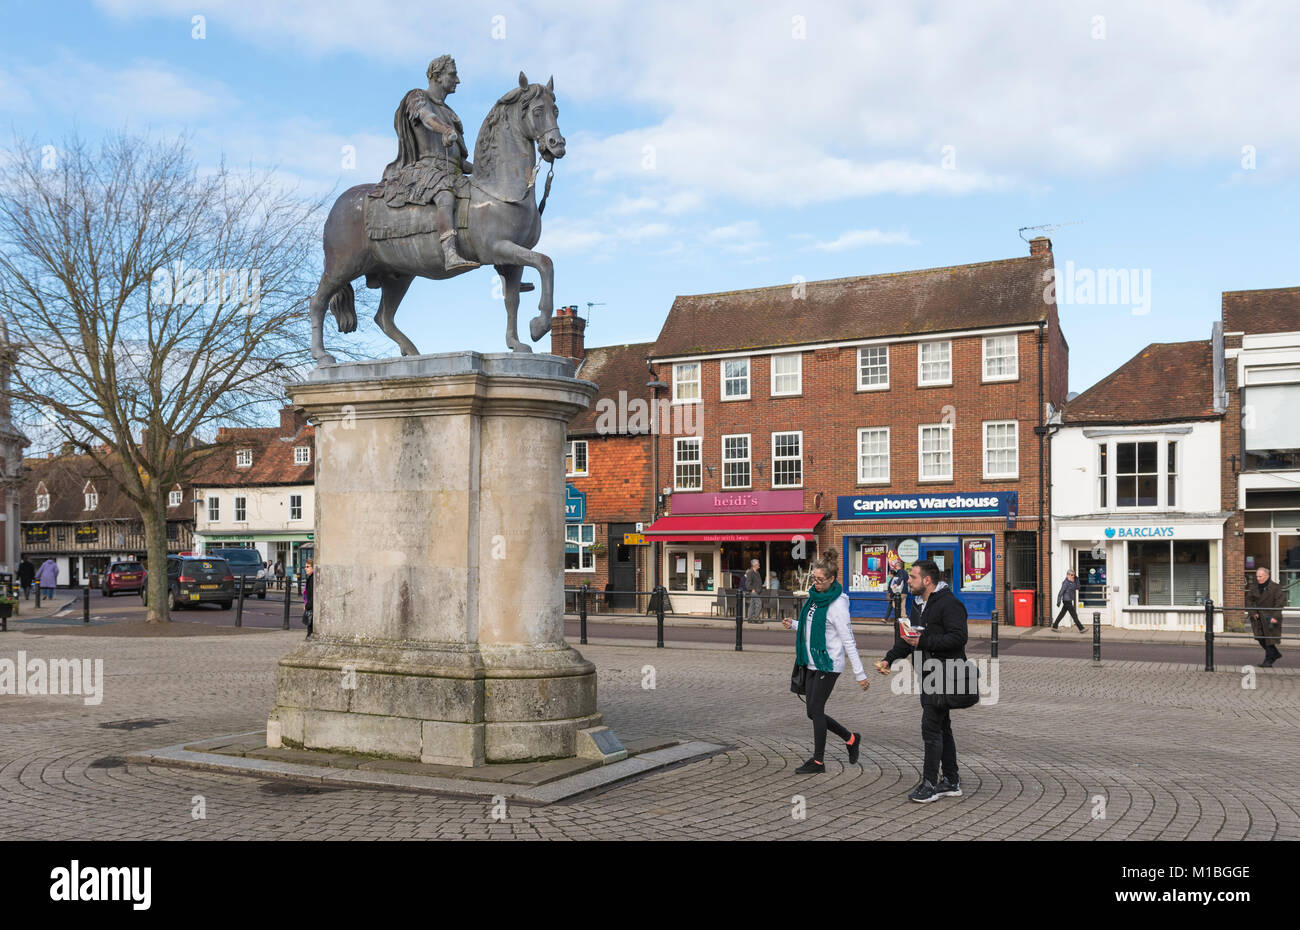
[(439, 560)]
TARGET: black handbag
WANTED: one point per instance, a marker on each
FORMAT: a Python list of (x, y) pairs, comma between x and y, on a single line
[(966, 685), (799, 679)]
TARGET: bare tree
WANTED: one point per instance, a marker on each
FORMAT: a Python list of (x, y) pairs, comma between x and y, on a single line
[(149, 302)]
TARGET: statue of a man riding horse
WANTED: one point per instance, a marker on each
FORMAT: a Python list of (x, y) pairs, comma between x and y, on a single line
[(429, 217)]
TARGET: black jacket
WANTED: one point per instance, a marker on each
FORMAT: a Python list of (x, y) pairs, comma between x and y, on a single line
[(26, 572), (944, 636)]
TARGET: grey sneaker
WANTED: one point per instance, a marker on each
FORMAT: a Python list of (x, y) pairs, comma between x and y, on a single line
[(948, 788)]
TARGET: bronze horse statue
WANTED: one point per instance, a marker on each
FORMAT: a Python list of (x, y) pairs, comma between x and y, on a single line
[(504, 224)]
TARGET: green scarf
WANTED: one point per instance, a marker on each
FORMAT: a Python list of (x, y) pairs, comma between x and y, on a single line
[(820, 601)]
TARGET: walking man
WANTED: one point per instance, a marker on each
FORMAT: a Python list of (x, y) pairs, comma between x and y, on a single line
[(1065, 599), (753, 587), (26, 575), (938, 631), (1266, 624)]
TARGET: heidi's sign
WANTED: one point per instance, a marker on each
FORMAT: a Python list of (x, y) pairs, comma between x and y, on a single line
[(739, 502)]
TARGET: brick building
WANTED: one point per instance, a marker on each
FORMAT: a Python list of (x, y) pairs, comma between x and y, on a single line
[(609, 493), (897, 412), (1261, 438), (1137, 506)]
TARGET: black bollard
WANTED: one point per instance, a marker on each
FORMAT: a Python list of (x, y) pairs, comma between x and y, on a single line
[(582, 615), (1096, 637), (38, 597), (660, 595), (740, 619), (288, 592), (1209, 635), (85, 603), (239, 605), (993, 637)]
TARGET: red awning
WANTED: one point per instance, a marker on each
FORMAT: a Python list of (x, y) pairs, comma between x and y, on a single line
[(738, 527)]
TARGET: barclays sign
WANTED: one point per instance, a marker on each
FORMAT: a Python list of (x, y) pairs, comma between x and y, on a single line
[(1139, 532)]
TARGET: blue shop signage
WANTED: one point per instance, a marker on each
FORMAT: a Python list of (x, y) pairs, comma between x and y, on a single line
[(913, 506), (575, 504)]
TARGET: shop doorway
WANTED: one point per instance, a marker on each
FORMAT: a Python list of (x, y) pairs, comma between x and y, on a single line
[(943, 555), (622, 566), (1090, 570)]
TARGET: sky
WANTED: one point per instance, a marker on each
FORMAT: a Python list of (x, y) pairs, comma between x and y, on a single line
[(731, 145)]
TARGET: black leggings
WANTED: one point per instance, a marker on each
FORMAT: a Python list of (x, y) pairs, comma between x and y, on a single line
[(819, 690)]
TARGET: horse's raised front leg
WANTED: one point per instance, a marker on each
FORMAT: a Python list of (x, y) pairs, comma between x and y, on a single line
[(504, 253), (510, 278), (318, 304), (394, 289)]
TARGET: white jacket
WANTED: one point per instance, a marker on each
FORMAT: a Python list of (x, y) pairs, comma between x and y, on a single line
[(839, 636)]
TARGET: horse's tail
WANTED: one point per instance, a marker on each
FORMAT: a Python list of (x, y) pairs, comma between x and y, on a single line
[(344, 307)]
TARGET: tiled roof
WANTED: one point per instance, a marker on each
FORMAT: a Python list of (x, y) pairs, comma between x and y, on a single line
[(613, 369), (988, 294), (1276, 310), (273, 464), (1165, 382), (65, 477)]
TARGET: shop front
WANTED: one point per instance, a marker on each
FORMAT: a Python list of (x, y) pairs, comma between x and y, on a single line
[(1144, 574), (960, 533), (709, 541), (289, 549)]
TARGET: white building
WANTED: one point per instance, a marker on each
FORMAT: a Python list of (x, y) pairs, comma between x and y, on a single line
[(1136, 500), (260, 493)]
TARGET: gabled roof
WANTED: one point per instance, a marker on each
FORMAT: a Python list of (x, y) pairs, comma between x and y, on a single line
[(614, 369), (1276, 310), (1007, 292), (1165, 382), (65, 477)]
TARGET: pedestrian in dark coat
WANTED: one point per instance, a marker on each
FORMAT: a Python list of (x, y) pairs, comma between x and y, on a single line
[(938, 631), (26, 575), (1066, 598), (1266, 624), (308, 610)]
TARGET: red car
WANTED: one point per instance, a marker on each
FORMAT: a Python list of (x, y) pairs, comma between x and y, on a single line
[(124, 576)]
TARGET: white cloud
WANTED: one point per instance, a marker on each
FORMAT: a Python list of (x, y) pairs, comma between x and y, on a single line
[(857, 238), (946, 97)]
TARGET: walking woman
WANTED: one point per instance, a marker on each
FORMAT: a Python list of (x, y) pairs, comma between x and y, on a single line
[(821, 641), (308, 615)]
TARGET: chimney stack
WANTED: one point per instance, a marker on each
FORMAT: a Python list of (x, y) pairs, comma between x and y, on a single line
[(567, 332), (1040, 245), (292, 420)]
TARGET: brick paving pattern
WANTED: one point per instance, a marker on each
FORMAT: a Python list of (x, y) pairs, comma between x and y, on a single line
[(1175, 752)]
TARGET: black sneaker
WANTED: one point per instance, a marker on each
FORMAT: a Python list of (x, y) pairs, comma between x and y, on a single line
[(855, 749), (811, 767), (924, 793), (948, 788)]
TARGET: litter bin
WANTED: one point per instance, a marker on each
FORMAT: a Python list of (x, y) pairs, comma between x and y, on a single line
[(1024, 607)]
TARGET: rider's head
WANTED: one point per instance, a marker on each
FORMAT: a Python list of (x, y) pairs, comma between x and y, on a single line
[(440, 66)]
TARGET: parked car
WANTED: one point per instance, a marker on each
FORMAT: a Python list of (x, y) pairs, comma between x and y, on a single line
[(247, 566), (195, 579), (123, 576)]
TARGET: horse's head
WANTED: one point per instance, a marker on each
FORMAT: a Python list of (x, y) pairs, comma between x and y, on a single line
[(540, 115)]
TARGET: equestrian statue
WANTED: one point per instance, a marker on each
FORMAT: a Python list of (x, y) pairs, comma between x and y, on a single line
[(437, 215)]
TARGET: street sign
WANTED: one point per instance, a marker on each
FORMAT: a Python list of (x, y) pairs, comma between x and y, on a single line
[(634, 539)]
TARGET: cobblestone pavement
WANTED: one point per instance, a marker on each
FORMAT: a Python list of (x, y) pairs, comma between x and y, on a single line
[(1169, 751)]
